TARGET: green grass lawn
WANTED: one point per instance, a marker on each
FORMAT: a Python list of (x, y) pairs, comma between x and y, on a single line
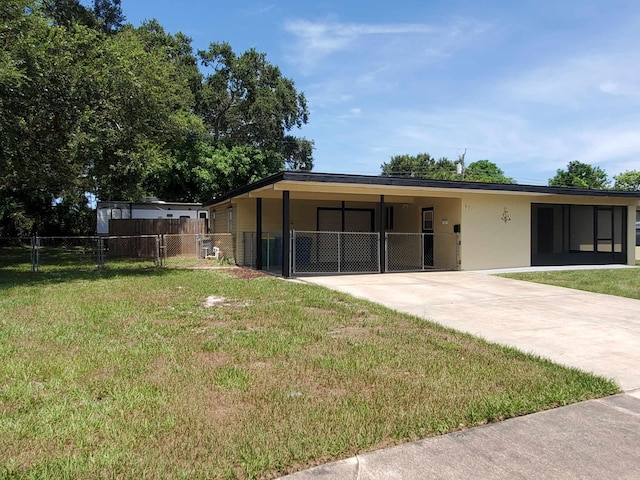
[(621, 282), (128, 374)]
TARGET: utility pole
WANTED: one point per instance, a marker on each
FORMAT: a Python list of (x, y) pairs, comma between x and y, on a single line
[(461, 163)]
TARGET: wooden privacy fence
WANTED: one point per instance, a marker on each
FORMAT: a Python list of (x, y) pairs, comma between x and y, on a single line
[(136, 228)]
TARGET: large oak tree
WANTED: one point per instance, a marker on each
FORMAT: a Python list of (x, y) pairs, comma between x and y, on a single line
[(92, 105)]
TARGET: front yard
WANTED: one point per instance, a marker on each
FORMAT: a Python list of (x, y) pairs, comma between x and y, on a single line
[(623, 282), (157, 373)]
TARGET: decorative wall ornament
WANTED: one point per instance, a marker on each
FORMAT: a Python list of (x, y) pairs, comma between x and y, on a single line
[(505, 215)]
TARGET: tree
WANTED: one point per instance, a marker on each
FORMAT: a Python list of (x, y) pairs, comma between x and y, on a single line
[(425, 166), (297, 153), (487, 172), (108, 15), (629, 180), (82, 112), (580, 175), (421, 165), (42, 98), (91, 105), (247, 101), (67, 13), (136, 115)]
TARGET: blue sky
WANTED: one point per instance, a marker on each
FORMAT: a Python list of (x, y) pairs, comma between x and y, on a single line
[(529, 85)]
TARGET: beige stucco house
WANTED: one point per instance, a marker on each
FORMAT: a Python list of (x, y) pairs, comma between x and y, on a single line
[(295, 223)]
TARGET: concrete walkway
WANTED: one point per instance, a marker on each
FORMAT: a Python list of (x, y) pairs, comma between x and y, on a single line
[(598, 333), (598, 439)]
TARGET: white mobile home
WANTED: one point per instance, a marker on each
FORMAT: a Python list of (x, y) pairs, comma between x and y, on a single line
[(150, 208)]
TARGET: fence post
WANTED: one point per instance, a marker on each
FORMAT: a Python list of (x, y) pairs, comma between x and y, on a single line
[(158, 252), (100, 253), (35, 254), (378, 240), (339, 252), (422, 251), (292, 257), (386, 251), (252, 245)]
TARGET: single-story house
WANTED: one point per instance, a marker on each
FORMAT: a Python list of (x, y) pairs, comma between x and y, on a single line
[(296, 223), (149, 208)]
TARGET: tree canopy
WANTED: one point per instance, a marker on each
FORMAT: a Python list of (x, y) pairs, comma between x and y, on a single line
[(486, 172), (424, 165), (92, 105), (580, 175), (421, 165), (629, 180)]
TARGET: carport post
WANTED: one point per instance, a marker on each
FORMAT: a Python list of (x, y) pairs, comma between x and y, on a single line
[(383, 228), (258, 234), (286, 235)]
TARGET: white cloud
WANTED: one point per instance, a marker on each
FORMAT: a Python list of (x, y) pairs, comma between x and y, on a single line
[(576, 82), (317, 40), (525, 149), (259, 8), (606, 146)]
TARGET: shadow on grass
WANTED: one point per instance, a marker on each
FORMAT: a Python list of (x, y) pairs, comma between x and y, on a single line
[(21, 275)]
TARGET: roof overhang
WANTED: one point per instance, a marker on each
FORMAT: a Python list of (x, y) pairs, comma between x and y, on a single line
[(305, 184)]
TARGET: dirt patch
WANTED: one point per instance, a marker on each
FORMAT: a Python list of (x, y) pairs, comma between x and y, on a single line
[(351, 332), (210, 360), (214, 301), (245, 273)]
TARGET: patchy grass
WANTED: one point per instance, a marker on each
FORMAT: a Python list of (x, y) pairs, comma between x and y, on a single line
[(109, 374), (622, 282)]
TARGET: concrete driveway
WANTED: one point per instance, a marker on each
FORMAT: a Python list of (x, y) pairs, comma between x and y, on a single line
[(590, 331)]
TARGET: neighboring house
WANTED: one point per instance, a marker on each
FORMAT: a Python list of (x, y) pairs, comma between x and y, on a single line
[(150, 208), (310, 223)]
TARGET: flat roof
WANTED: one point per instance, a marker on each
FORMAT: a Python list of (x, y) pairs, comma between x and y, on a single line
[(374, 180), (155, 203)]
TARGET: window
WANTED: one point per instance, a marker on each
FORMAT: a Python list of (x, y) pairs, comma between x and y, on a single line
[(203, 214), (427, 220), (230, 220), (578, 234), (116, 214), (581, 226)]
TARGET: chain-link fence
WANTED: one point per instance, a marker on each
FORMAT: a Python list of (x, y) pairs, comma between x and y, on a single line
[(249, 251), (16, 253), (335, 252), (130, 251), (53, 253), (271, 249), (314, 252), (197, 250), (410, 252), (217, 246), (180, 250)]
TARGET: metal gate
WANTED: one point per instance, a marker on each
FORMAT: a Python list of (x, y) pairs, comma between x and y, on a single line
[(335, 252)]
